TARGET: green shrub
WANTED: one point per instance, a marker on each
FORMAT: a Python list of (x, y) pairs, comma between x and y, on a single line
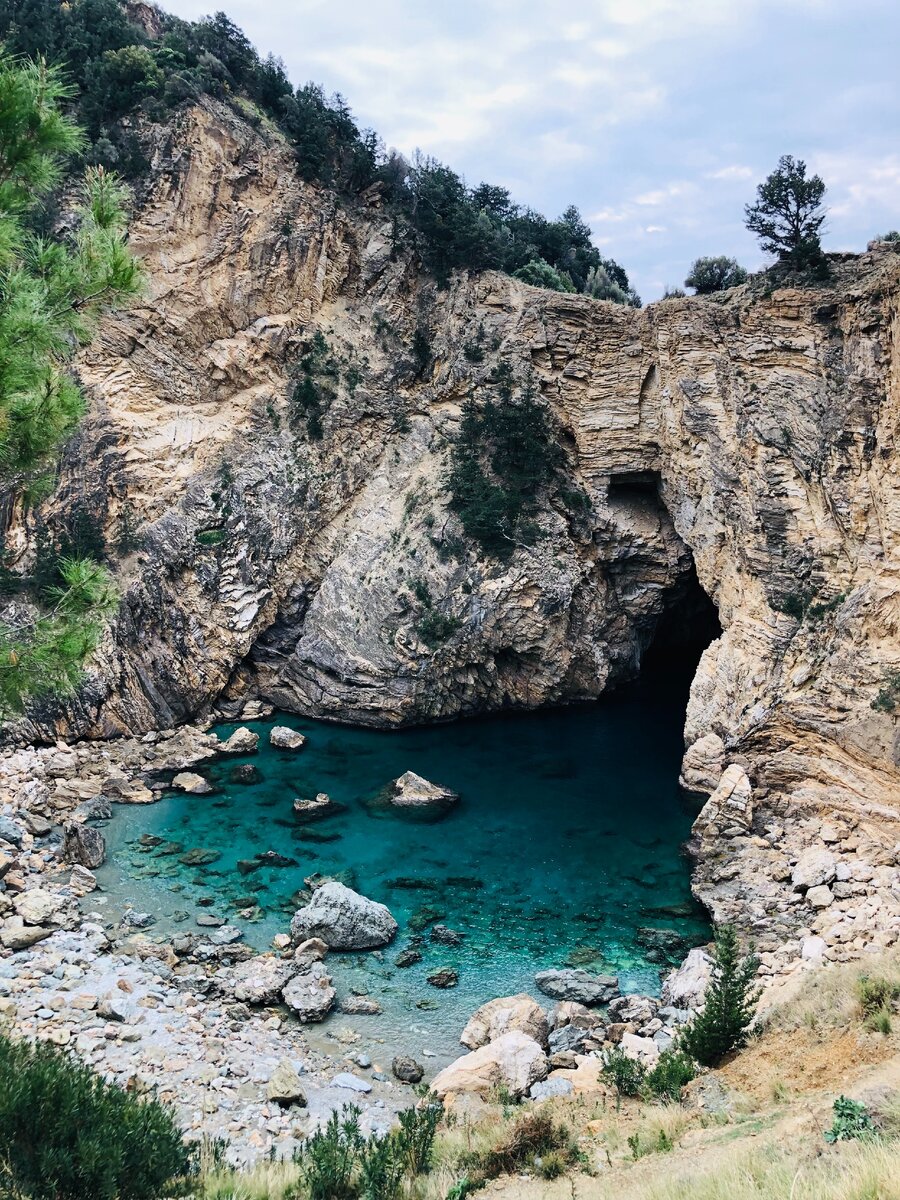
[(625, 1074), (381, 1168), (504, 456), (729, 1003), (68, 1134), (640, 1146), (415, 1137), (421, 351), (889, 694), (717, 274), (852, 1122), (540, 273), (330, 1157), (436, 628), (211, 537), (673, 1069)]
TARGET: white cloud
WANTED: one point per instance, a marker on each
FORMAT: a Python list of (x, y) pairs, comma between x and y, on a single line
[(732, 172)]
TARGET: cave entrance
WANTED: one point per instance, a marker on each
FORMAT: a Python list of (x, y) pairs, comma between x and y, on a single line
[(672, 639), (689, 623)]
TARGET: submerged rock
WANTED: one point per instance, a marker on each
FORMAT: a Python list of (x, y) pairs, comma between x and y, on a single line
[(310, 810), (343, 919), (443, 977), (408, 958), (506, 1014), (355, 1006), (513, 1061), (574, 984), (286, 739), (446, 936), (244, 773)]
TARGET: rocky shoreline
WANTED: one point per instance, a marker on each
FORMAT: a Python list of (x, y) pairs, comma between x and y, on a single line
[(218, 1030)]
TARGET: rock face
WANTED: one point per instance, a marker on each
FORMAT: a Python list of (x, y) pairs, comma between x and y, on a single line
[(343, 919), (685, 987), (513, 1061), (750, 436), (508, 1013)]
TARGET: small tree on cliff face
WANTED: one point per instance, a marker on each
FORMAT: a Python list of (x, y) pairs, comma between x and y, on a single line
[(710, 275), (788, 215), (728, 1006)]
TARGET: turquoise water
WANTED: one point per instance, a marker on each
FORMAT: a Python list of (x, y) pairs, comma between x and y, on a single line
[(565, 844)]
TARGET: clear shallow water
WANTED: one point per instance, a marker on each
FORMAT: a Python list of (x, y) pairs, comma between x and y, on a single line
[(566, 843)]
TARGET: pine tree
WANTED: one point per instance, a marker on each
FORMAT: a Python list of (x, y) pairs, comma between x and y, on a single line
[(788, 214), (51, 293), (729, 1003)]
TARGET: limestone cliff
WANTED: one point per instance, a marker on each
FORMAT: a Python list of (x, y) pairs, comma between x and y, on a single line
[(752, 432)]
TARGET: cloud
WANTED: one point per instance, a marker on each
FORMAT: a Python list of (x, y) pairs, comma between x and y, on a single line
[(655, 117)]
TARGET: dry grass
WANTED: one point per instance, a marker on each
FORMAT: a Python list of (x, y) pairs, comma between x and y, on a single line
[(837, 997), (266, 1181), (859, 1171)]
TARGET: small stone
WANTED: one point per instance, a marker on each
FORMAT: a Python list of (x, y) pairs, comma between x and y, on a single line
[(82, 881), (820, 897), (407, 958), (37, 906), (406, 1069), (360, 1006), (351, 1082)]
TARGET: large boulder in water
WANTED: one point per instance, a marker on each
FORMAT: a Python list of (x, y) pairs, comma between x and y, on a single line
[(343, 919), (417, 796), (242, 741), (575, 984), (512, 1061), (507, 1014), (283, 738)]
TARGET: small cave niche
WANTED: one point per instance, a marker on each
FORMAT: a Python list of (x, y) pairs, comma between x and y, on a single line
[(631, 486)]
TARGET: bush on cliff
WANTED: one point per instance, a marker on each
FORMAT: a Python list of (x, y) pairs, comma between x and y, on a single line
[(68, 1134)]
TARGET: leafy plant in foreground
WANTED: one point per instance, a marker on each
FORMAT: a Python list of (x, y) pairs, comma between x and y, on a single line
[(852, 1121), (67, 1134), (672, 1070), (625, 1074)]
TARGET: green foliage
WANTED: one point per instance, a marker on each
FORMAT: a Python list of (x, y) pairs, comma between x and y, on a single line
[(117, 69), (436, 628), (313, 385), (421, 349), (330, 1157), (338, 1163), (888, 696), (852, 1122), (625, 1074), (877, 997), (640, 1146), (892, 235), (788, 215), (728, 1006), (211, 537), (503, 457), (415, 1137), (672, 1070), (67, 1134), (540, 274), (708, 275), (51, 292)]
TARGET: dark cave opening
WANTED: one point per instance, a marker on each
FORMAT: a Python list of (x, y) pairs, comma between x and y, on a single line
[(689, 623)]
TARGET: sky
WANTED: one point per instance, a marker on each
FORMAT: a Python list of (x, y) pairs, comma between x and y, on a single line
[(657, 118)]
